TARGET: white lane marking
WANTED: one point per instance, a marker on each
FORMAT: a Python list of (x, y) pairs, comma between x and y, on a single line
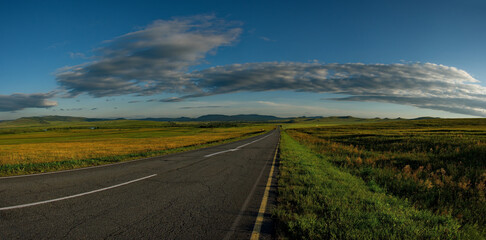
[(237, 148), (76, 195)]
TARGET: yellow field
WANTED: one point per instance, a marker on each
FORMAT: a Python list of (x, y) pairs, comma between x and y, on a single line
[(81, 144)]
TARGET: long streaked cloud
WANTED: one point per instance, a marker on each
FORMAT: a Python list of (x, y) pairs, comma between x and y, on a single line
[(353, 79), (149, 61), (158, 58), (475, 107), (427, 85), (19, 101), (294, 107), (199, 107)]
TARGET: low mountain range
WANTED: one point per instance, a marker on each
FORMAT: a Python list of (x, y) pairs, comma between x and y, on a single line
[(204, 118)]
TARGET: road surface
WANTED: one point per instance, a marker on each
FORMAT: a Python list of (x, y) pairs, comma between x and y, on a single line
[(211, 193)]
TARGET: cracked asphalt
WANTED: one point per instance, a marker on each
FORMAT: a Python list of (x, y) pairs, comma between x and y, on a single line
[(191, 197)]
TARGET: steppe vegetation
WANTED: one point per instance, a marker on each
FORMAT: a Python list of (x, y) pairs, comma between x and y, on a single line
[(29, 146), (424, 177)]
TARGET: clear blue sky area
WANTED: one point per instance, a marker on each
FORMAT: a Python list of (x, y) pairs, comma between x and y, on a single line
[(311, 49)]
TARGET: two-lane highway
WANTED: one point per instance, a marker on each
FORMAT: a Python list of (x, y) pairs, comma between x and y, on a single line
[(211, 193)]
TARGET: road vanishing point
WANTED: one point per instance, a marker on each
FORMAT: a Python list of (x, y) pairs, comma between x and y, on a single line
[(210, 193)]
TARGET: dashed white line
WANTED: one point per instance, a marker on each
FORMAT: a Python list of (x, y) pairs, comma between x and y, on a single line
[(237, 148), (76, 195)]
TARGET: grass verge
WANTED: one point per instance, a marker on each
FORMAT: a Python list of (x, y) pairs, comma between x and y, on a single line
[(436, 164), (317, 200)]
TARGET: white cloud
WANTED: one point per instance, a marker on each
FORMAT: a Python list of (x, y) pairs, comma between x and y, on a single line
[(157, 58), (294, 107), (77, 55), (426, 85), (19, 101), (149, 61), (266, 39)]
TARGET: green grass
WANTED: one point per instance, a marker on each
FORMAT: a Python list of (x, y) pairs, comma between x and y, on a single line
[(329, 121), (318, 200), (437, 164)]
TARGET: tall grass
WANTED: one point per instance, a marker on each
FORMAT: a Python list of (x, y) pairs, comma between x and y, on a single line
[(58, 151), (67, 147), (438, 165), (318, 200)]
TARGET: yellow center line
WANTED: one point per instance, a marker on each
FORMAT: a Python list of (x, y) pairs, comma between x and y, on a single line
[(255, 235)]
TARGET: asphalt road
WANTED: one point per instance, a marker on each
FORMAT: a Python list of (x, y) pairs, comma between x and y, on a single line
[(211, 193)]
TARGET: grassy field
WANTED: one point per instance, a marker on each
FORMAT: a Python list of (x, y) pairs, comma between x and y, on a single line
[(432, 166), (318, 200), (328, 121), (33, 146)]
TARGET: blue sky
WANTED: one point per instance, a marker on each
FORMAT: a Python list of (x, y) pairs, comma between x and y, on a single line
[(285, 58)]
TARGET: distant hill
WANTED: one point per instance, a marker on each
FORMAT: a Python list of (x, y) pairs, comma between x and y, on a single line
[(220, 118), (426, 118), (46, 120), (181, 119), (53, 119), (241, 117), (103, 119)]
